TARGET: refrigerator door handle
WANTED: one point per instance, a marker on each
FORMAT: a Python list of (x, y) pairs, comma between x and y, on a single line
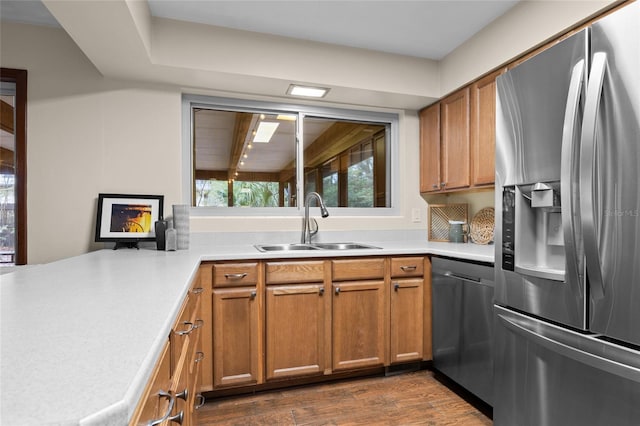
[(615, 361), (568, 178), (589, 204)]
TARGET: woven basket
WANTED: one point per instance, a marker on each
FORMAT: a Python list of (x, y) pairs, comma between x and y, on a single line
[(439, 217), (482, 226)]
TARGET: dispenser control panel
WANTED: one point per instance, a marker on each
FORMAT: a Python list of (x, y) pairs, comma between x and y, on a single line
[(508, 227)]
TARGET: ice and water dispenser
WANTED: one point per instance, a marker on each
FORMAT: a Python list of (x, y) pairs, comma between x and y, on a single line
[(532, 212)]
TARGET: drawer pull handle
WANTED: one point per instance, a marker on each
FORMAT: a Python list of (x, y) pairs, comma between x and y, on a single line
[(178, 418), (199, 323), (184, 395), (190, 328), (197, 290), (235, 276), (408, 268), (201, 400), (172, 402), (200, 357)]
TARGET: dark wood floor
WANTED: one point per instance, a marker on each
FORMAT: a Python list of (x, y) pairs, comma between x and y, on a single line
[(404, 399)]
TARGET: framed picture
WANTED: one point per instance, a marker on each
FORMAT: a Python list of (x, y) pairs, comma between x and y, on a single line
[(127, 219)]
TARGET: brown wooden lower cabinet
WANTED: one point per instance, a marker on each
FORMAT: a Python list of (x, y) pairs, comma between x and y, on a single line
[(254, 323), (407, 331), (155, 399), (236, 336), (295, 321), (171, 393), (358, 325)]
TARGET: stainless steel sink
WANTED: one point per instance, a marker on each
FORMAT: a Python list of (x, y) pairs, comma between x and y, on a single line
[(284, 247), (313, 246), (343, 246)]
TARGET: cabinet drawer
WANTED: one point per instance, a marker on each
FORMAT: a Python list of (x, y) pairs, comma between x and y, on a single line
[(357, 269), (407, 267), (155, 400), (235, 274), (294, 272)]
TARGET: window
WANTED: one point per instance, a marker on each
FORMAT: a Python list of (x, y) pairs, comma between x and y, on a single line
[(13, 194), (265, 157)]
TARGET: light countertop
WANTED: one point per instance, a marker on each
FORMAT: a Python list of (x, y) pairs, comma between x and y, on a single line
[(80, 337)]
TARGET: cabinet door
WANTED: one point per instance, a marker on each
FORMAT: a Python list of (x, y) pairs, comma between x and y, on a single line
[(430, 149), (205, 344), (295, 319), (407, 329), (483, 130), (455, 140), (236, 329), (155, 400), (358, 327)]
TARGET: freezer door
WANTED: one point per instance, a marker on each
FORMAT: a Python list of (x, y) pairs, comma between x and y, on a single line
[(610, 175), (547, 375)]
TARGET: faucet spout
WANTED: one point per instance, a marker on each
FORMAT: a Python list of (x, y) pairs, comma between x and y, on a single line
[(305, 238)]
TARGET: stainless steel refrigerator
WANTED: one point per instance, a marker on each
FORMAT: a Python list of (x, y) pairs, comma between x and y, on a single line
[(567, 291)]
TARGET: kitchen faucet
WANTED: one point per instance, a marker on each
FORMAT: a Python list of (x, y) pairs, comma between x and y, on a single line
[(306, 229)]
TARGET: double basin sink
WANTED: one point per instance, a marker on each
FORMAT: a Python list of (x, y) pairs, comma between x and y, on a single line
[(313, 246)]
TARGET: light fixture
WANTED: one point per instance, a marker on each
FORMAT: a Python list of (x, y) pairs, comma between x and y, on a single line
[(265, 131), (307, 91)]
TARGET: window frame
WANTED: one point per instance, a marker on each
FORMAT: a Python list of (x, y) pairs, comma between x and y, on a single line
[(19, 78), (390, 120)]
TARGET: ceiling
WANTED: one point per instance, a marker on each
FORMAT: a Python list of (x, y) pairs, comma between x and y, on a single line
[(421, 28)]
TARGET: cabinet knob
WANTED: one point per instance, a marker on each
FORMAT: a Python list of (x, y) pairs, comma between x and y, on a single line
[(435, 186), (200, 357), (321, 291), (396, 286), (442, 184), (197, 290), (253, 294), (337, 290)]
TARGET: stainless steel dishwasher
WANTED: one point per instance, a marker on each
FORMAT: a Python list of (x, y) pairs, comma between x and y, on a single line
[(462, 298)]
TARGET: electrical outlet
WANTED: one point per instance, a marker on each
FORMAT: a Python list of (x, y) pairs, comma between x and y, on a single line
[(415, 215)]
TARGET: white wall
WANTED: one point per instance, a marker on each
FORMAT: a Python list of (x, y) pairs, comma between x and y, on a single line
[(528, 24), (87, 134)]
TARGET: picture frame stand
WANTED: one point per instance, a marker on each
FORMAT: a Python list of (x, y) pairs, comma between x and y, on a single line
[(126, 244)]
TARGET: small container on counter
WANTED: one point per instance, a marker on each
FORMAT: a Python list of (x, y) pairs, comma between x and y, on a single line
[(171, 237)]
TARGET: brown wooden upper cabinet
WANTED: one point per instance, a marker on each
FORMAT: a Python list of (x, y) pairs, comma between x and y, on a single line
[(483, 130), (457, 139)]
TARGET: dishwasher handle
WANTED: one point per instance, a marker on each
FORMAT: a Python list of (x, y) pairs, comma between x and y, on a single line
[(472, 280)]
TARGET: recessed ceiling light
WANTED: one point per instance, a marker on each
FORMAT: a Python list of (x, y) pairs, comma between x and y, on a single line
[(265, 131), (307, 91)]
